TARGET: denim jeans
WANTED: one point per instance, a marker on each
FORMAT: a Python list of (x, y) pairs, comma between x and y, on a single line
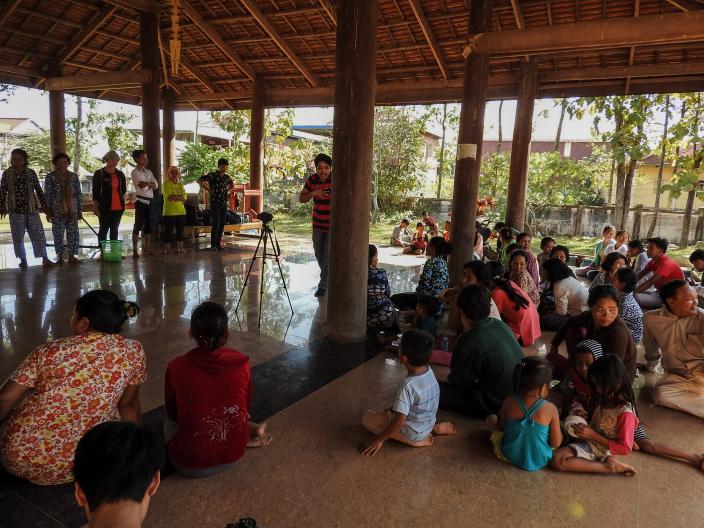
[(321, 245)]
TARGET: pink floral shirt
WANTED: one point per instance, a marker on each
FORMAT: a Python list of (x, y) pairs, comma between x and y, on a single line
[(78, 382)]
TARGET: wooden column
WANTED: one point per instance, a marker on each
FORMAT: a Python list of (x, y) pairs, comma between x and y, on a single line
[(149, 43), (469, 143), (57, 115), (353, 131), (168, 129), (520, 149), (256, 143)]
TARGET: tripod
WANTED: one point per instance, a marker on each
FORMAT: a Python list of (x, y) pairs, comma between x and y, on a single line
[(268, 237)]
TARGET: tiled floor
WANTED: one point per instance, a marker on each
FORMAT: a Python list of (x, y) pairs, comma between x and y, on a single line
[(313, 394)]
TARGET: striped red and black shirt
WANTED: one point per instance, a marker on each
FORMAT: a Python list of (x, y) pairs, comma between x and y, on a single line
[(321, 206)]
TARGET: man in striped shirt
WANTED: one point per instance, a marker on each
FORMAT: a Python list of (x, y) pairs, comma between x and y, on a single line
[(317, 188)]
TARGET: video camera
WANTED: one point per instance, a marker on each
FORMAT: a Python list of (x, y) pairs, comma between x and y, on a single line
[(265, 217)]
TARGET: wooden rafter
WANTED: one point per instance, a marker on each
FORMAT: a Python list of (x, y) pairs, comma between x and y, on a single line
[(214, 36), (430, 37), (88, 31), (518, 14), (94, 81), (684, 5), (201, 77), (280, 42), (7, 10), (329, 10), (632, 52), (136, 5)]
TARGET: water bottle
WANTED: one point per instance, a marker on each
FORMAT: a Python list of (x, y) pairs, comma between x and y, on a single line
[(445, 344)]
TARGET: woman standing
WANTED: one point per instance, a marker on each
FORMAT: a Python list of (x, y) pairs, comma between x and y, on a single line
[(63, 198), (380, 309), (22, 198), (174, 209), (109, 188)]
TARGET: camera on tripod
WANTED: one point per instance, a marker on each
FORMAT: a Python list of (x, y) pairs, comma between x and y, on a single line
[(265, 217)]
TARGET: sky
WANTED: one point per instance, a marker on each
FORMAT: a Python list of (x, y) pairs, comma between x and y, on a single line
[(34, 104)]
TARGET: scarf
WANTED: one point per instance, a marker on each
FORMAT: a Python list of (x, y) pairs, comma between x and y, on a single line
[(12, 174), (67, 201)]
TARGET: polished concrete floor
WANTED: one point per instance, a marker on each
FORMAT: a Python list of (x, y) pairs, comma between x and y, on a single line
[(313, 393)]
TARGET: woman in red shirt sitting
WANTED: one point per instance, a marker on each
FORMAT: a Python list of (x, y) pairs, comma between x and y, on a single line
[(208, 392)]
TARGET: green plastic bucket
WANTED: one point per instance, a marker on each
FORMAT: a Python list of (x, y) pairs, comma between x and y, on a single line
[(112, 250)]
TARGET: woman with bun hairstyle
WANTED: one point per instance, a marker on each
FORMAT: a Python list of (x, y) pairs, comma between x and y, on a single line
[(71, 384)]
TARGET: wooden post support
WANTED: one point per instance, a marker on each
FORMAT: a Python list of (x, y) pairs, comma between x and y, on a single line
[(469, 143), (256, 143), (353, 130), (149, 43), (637, 221), (169, 129), (699, 232), (57, 116), (520, 148)]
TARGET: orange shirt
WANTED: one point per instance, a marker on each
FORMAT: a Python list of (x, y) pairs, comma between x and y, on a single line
[(116, 203)]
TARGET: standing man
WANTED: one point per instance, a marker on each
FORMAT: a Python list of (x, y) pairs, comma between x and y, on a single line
[(317, 188), (144, 184), (219, 185), (663, 268)]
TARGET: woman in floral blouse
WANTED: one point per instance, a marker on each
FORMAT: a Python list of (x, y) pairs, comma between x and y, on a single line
[(77, 382), (22, 198), (380, 309), (518, 266), (435, 276)]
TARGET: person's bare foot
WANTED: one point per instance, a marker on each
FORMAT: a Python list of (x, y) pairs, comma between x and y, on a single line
[(444, 429), (492, 422), (260, 441), (614, 465), (700, 464), (73, 260), (258, 431)]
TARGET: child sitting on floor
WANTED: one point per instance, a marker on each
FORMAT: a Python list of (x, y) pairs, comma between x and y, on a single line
[(208, 393), (528, 427), (419, 242), (426, 312), (411, 420), (576, 395), (613, 422)]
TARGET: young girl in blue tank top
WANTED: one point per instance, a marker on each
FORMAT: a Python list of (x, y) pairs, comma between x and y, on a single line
[(528, 427)]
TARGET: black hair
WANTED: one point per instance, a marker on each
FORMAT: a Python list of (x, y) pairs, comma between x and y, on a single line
[(506, 233), (610, 383), (498, 226), (420, 224), (531, 373), (669, 290), (564, 249), (660, 242), (608, 227), (513, 246), (21, 152), (136, 154), (556, 270), (209, 325), (372, 251), (406, 221), (480, 271), (497, 272), (430, 303), (697, 254), (521, 236), (603, 291), (545, 240), (629, 279), (417, 345), (636, 244), (608, 263), (516, 253), (223, 161), (619, 233), (105, 311), (475, 302), (58, 156), (117, 461), (442, 247), (323, 157), (424, 213)]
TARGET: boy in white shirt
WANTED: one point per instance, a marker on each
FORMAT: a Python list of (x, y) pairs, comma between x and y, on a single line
[(144, 184), (411, 420)]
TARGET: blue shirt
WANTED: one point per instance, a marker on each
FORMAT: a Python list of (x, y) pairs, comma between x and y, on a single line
[(525, 442), (418, 400), (435, 277)]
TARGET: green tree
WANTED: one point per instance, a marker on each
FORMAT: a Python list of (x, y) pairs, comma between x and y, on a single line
[(493, 180), (197, 159), (87, 128), (399, 166), (119, 138), (38, 146)]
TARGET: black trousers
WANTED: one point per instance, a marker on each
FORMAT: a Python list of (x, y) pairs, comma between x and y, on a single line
[(405, 301), (109, 220), (142, 218), (464, 400), (218, 215), (171, 222)]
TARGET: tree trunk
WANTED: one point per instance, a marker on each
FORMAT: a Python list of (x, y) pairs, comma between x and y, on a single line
[(684, 237), (627, 191), (610, 200), (558, 136), (441, 161), (77, 143), (620, 175), (501, 130), (656, 211)]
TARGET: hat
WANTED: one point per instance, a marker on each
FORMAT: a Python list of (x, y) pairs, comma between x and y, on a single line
[(111, 155), (590, 345)]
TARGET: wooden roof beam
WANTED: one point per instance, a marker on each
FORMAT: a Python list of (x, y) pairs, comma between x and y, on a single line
[(88, 31), (430, 37), (8, 9), (213, 35), (329, 10), (518, 14), (97, 81), (598, 34), (136, 5), (251, 6), (684, 5), (201, 77)]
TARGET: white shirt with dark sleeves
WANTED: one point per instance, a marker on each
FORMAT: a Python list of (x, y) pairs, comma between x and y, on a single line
[(418, 400), (143, 194)]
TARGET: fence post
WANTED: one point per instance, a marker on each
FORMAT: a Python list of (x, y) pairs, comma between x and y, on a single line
[(637, 221), (699, 231), (578, 220)]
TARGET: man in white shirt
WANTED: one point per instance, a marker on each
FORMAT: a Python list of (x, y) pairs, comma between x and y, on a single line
[(144, 184)]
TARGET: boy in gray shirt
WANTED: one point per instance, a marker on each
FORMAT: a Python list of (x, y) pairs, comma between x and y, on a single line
[(411, 420)]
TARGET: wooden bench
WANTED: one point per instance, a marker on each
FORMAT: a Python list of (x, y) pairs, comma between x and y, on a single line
[(198, 231)]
